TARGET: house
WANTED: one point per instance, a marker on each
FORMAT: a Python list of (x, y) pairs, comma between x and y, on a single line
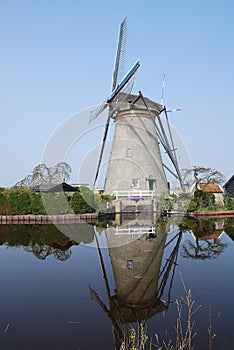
[(229, 186), (55, 188), (215, 189), (212, 188)]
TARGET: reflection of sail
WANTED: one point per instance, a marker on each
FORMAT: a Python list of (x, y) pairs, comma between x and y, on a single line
[(136, 263)]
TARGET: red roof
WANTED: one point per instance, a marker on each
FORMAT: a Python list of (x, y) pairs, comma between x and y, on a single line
[(211, 236), (211, 188)]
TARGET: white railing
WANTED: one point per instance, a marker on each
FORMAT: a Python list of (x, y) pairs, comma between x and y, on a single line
[(131, 230), (134, 194)]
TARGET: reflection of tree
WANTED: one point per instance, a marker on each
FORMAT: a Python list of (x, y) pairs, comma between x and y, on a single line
[(42, 240), (47, 240), (202, 250), (207, 244), (43, 251)]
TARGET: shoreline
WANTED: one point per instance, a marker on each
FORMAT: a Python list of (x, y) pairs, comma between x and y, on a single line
[(91, 217), (48, 219), (221, 213)]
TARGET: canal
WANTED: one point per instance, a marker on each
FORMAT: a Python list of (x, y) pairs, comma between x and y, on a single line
[(81, 286)]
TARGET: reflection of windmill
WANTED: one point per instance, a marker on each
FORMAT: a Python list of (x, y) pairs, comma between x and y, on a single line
[(135, 161), (136, 265)]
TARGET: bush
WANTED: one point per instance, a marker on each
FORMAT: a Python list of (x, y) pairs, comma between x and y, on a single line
[(36, 204), (79, 205), (192, 206), (55, 204), (204, 199), (18, 204), (4, 206), (228, 201)]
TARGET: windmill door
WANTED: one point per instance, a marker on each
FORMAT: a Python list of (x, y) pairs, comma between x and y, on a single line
[(151, 181)]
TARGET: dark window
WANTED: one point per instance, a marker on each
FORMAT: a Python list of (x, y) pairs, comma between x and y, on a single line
[(129, 153)]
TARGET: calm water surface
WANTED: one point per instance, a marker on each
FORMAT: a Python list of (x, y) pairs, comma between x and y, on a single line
[(59, 291)]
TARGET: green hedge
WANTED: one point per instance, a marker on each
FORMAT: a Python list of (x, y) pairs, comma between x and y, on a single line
[(23, 203)]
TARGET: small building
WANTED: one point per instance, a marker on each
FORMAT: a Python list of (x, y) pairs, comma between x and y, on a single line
[(229, 186), (215, 189), (55, 188)]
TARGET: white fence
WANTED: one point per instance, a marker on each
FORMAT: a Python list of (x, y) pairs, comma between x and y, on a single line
[(131, 230), (134, 194)]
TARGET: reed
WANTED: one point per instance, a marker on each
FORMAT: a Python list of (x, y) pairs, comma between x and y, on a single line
[(137, 339)]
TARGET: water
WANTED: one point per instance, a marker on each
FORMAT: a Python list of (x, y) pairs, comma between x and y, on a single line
[(60, 292)]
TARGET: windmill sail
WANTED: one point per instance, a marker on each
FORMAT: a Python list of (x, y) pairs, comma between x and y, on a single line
[(120, 54), (124, 82), (118, 67), (125, 86), (162, 134), (127, 82)]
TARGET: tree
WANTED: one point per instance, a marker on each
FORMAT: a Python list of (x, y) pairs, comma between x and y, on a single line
[(42, 174), (61, 172), (206, 175)]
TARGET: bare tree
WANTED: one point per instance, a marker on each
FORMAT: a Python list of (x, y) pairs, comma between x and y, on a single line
[(206, 175), (42, 174), (61, 172)]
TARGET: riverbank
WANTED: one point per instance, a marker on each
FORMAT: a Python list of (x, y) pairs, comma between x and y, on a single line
[(217, 213), (47, 219)]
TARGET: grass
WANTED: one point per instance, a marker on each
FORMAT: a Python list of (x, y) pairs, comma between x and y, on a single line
[(137, 339)]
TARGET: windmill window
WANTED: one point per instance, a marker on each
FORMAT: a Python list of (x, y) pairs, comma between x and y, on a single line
[(129, 153), (130, 264), (135, 183)]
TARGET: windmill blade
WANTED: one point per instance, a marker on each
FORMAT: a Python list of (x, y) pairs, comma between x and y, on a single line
[(118, 67), (127, 81), (174, 110), (102, 149), (163, 90), (120, 54), (97, 111), (171, 138), (163, 96), (126, 84), (161, 133)]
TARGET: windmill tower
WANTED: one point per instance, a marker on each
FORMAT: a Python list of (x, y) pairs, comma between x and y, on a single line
[(135, 164)]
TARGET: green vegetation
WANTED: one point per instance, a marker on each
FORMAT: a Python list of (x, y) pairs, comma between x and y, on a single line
[(202, 201), (23, 201), (228, 202), (79, 205), (184, 332)]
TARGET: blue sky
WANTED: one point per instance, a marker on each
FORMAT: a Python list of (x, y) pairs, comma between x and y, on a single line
[(57, 58)]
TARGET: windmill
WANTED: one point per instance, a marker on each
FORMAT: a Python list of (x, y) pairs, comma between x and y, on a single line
[(135, 163)]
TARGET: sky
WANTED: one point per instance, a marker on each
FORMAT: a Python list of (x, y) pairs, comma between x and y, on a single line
[(57, 59)]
